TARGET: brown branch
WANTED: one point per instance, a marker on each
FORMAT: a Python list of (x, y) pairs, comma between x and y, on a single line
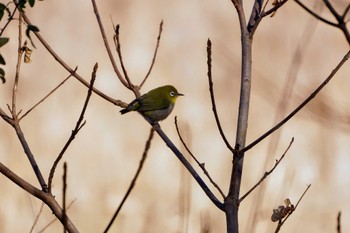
[(280, 223), (18, 68), (133, 181), (273, 9), (187, 165), (14, 122), (70, 70), (340, 18), (126, 82), (201, 165), (302, 5), (266, 174), (50, 93), (64, 195), (75, 131), (54, 220), (212, 97), (154, 55), (119, 52), (47, 198), (302, 105)]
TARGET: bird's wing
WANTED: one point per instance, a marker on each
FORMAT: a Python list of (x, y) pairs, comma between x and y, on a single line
[(148, 104)]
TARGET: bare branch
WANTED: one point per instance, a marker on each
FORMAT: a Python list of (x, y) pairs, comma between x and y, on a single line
[(201, 165), (18, 68), (75, 131), (266, 174), (346, 11), (109, 51), (70, 70), (119, 52), (64, 195), (50, 93), (302, 5), (133, 181), (302, 105), (44, 196), (187, 165), (54, 220), (280, 223), (212, 97), (274, 8), (154, 55)]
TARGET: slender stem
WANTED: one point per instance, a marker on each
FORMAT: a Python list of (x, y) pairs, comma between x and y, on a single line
[(108, 48), (43, 99), (189, 167), (71, 70), (18, 67), (201, 165), (266, 174), (154, 54), (301, 106), (212, 97)]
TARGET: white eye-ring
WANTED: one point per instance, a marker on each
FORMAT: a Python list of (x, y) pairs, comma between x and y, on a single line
[(172, 93)]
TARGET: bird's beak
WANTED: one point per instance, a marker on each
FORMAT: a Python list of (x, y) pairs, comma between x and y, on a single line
[(179, 94)]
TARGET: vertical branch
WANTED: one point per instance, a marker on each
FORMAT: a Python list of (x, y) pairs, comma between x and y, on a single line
[(232, 199), (64, 193), (18, 67)]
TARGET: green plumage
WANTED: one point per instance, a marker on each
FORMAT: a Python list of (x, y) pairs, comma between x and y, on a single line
[(156, 105)]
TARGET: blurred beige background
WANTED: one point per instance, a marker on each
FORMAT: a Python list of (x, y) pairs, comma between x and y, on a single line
[(105, 154)]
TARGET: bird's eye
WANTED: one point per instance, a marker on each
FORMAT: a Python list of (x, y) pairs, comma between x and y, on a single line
[(172, 93)]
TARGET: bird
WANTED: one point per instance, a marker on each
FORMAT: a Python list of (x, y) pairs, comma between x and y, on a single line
[(156, 105)]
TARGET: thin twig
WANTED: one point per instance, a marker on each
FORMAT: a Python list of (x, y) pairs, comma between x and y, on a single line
[(70, 70), (75, 131), (133, 181), (201, 165), (64, 195), (126, 83), (187, 165), (273, 9), (154, 55), (302, 5), (50, 93), (119, 52), (346, 11), (280, 223), (212, 97), (266, 174), (18, 68), (302, 105), (37, 217)]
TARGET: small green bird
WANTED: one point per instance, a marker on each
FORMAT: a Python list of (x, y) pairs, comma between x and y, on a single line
[(156, 105)]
